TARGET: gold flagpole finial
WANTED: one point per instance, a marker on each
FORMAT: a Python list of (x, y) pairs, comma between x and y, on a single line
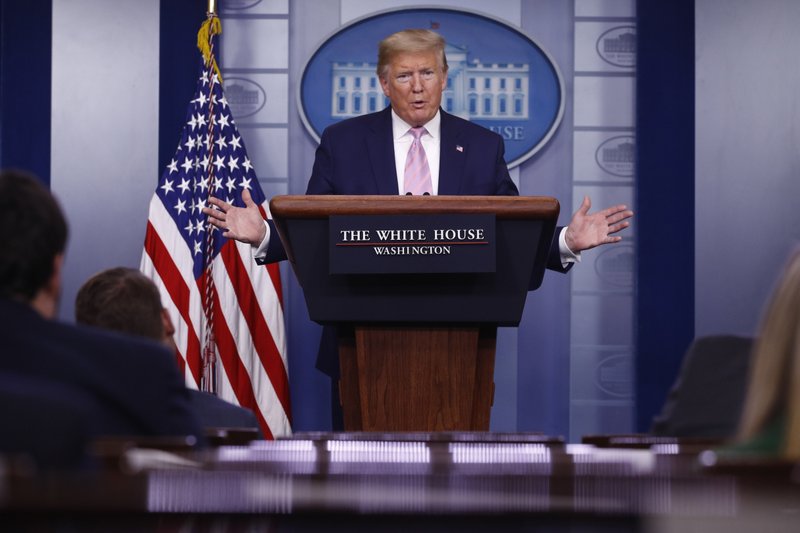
[(212, 8), (211, 26)]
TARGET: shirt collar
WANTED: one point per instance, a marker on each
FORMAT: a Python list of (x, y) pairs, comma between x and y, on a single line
[(400, 127)]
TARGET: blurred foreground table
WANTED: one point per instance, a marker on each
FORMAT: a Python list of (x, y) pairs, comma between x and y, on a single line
[(390, 482)]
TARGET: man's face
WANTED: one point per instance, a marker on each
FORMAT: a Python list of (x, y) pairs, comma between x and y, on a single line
[(414, 84)]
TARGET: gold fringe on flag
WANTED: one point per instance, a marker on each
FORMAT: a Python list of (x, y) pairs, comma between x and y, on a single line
[(212, 26)]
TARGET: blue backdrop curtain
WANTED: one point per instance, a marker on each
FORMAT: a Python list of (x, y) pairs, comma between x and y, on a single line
[(25, 74), (178, 71), (665, 198)]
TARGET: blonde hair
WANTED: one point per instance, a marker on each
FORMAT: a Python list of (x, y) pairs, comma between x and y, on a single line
[(774, 380), (411, 41)]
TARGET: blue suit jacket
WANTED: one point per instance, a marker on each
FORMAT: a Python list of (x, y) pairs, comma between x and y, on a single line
[(356, 156), (132, 384)]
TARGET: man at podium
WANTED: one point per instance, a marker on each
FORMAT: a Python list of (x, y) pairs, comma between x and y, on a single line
[(412, 147)]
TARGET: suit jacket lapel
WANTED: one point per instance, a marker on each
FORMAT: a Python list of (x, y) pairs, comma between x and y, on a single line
[(451, 158), (380, 150)]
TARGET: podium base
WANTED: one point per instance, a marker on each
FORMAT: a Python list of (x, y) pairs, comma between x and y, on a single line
[(409, 378)]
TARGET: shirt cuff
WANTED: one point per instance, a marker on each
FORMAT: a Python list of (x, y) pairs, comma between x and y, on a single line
[(567, 255), (260, 251)]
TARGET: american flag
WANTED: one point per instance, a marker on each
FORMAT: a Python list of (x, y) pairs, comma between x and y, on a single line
[(229, 331)]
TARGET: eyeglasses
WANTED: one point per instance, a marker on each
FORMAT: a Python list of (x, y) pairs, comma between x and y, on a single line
[(425, 75)]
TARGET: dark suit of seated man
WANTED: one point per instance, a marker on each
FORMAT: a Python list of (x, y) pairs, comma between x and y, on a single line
[(132, 385), (125, 300), (33, 411)]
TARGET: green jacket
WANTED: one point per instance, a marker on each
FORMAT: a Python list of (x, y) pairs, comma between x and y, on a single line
[(768, 442)]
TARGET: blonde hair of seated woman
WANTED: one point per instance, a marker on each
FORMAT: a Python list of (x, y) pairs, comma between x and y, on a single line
[(773, 394)]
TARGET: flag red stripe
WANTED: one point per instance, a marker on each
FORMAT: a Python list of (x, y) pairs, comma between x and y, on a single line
[(235, 370), (265, 347), (179, 293)]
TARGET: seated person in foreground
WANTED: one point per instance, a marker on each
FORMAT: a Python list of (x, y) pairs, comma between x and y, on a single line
[(770, 424), (125, 300), (45, 421), (131, 386)]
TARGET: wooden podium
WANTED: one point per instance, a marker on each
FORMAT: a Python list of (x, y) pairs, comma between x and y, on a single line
[(417, 347)]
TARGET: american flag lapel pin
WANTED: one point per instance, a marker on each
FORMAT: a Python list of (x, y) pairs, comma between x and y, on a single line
[(459, 148)]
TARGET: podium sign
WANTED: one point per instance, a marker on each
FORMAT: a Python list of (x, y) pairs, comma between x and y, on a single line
[(400, 244)]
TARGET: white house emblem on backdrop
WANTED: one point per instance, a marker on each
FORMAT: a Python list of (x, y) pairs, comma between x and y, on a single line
[(614, 375), (245, 97), (498, 77), (617, 46), (617, 155), (614, 266)]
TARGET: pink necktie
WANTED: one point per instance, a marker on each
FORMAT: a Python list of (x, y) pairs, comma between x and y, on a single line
[(417, 179)]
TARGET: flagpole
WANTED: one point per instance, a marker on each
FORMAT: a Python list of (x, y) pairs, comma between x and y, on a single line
[(209, 378)]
